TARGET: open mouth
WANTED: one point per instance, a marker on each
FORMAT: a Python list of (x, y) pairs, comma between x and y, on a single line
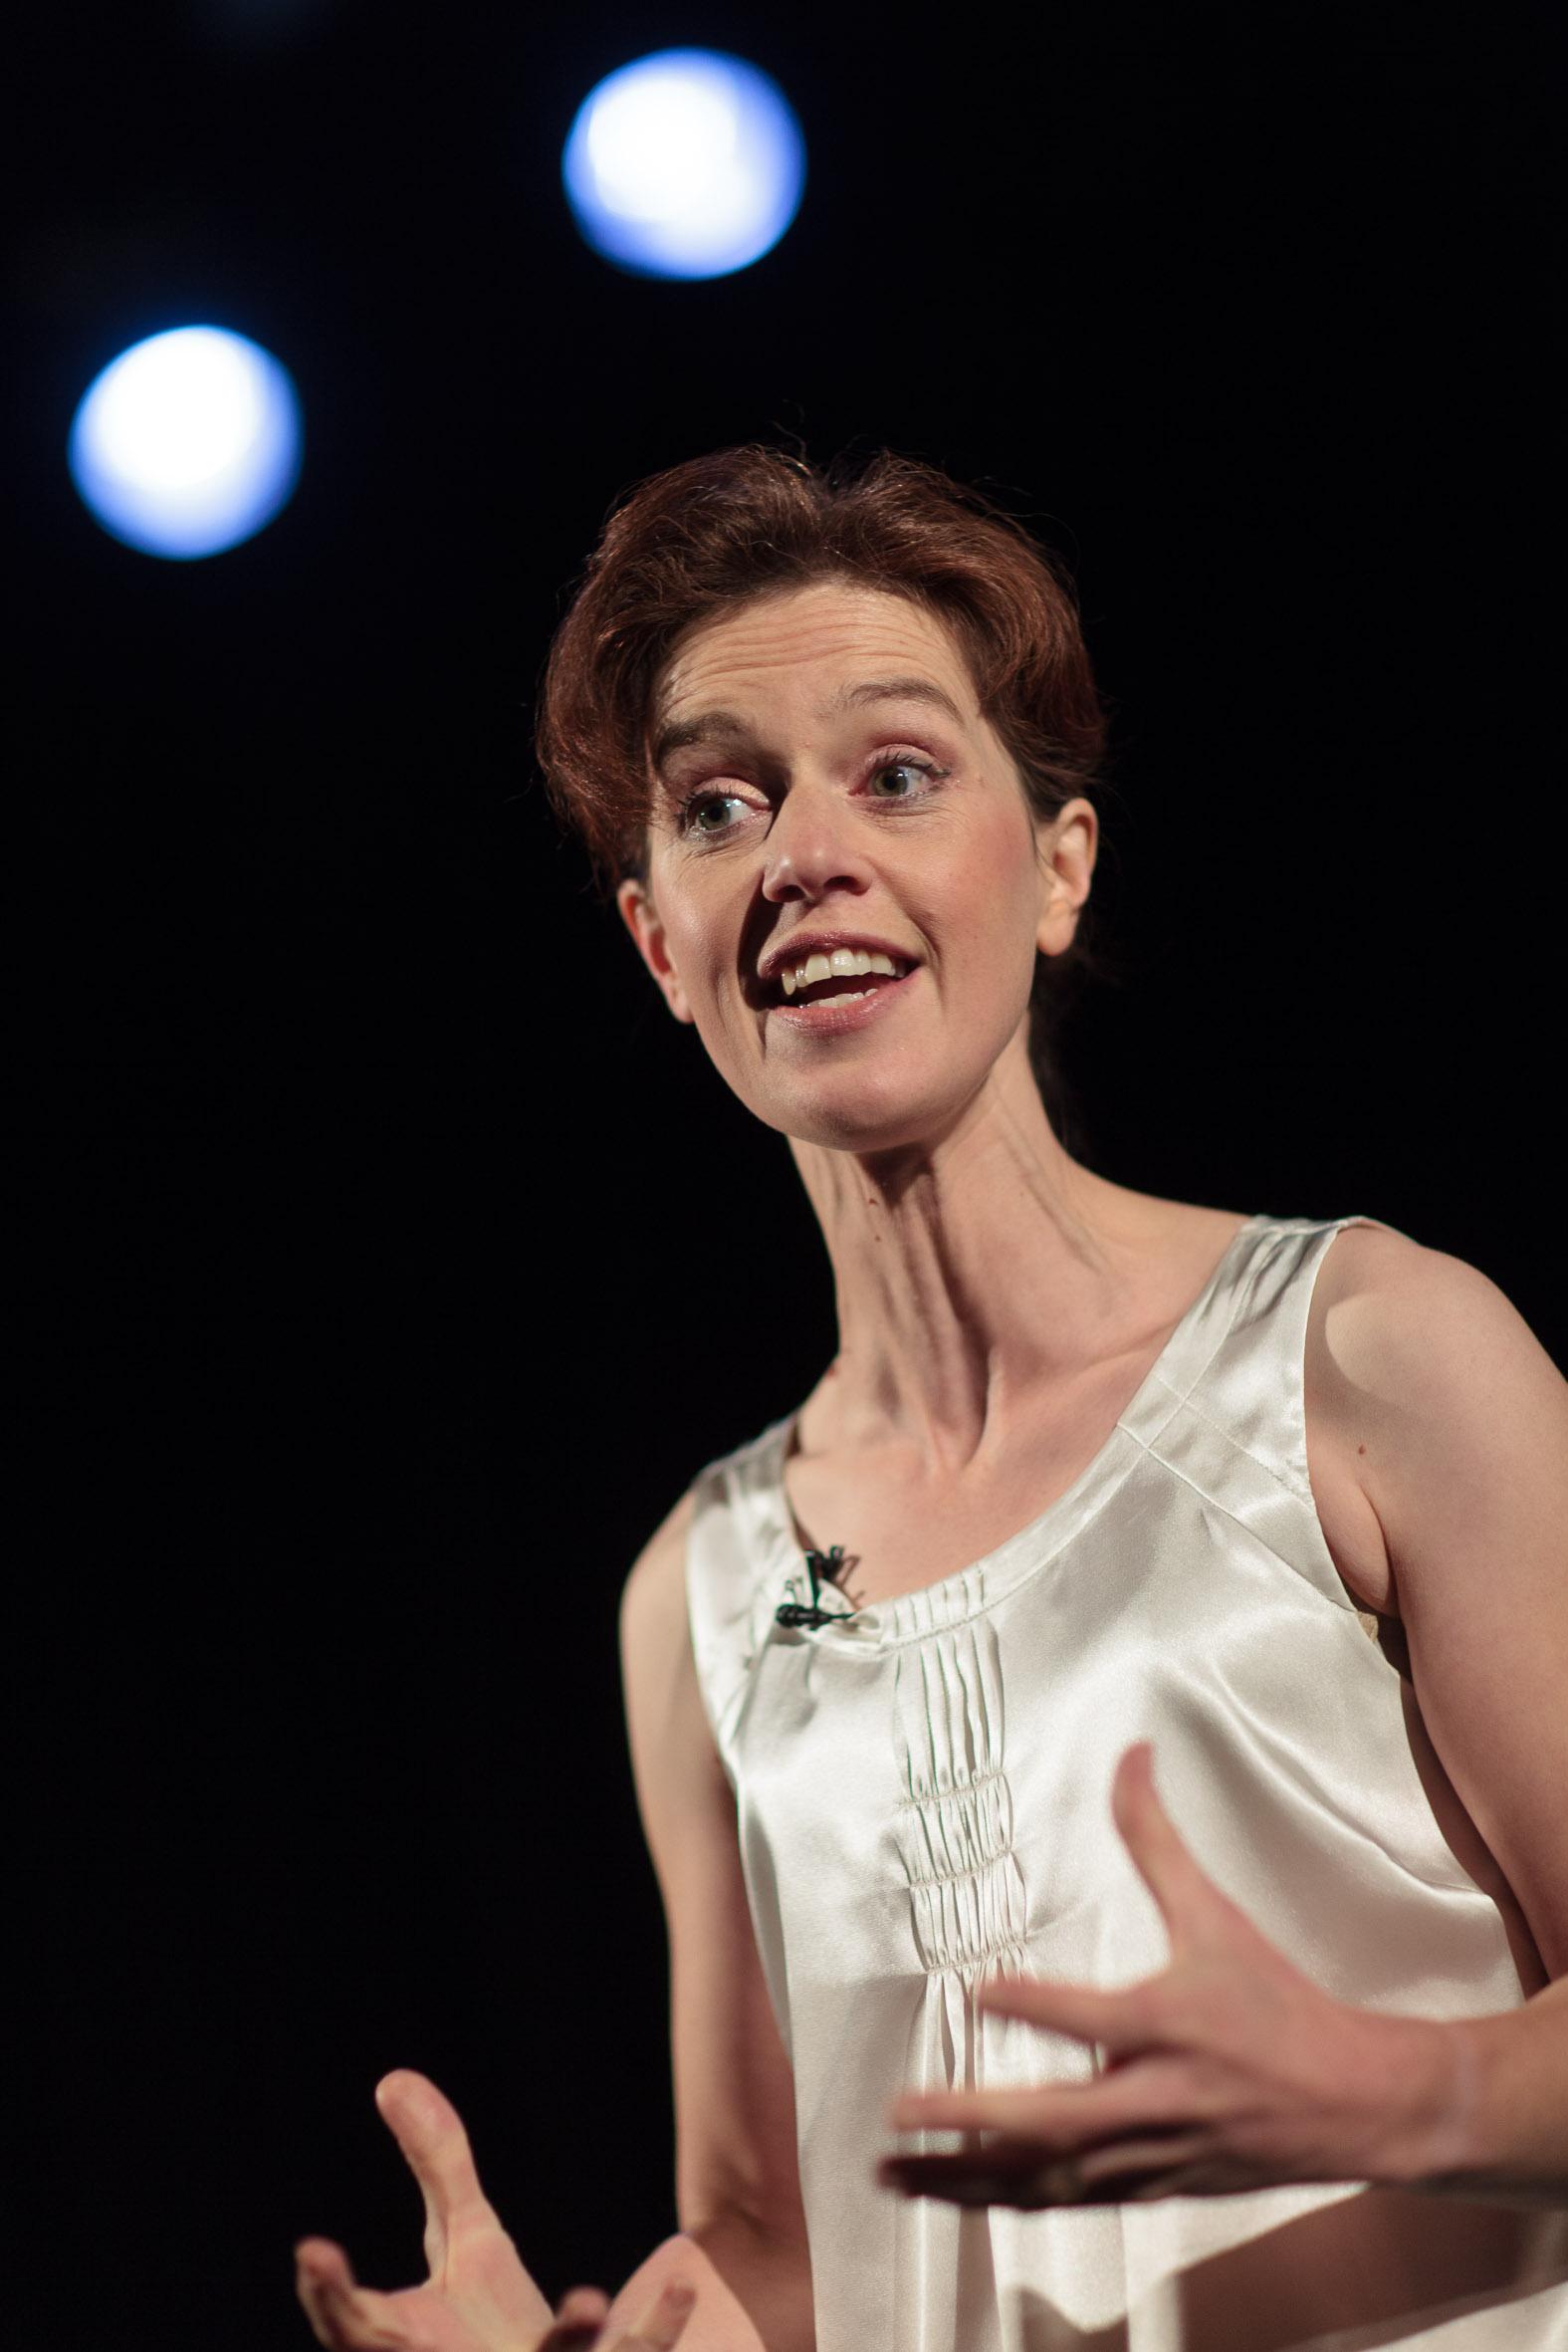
[(843, 977)]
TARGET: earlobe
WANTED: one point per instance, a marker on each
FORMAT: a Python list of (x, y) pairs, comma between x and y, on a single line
[(1058, 923), (1059, 904), (1067, 855), (641, 919)]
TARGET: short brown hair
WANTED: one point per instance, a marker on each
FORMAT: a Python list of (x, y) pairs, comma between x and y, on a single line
[(716, 532)]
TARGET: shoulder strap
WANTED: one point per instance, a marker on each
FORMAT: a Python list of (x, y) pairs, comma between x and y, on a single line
[(735, 1552), (1235, 1428)]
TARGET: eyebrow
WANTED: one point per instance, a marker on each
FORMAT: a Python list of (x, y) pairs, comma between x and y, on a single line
[(724, 726)]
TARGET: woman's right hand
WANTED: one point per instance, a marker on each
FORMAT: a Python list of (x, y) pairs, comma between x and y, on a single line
[(478, 2296)]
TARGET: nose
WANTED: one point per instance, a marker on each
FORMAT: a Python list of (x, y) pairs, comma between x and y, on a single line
[(811, 847)]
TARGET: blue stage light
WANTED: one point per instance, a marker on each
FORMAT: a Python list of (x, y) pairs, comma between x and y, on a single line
[(684, 164), (187, 443)]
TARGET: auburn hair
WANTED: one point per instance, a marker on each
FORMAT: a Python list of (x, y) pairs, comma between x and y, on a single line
[(702, 538)]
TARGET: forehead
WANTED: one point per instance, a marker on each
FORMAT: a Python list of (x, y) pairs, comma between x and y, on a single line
[(805, 643)]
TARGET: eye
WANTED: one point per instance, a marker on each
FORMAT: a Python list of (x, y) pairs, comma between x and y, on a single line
[(922, 769), (695, 812)]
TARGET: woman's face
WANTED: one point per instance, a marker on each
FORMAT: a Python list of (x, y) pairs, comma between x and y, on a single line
[(824, 781)]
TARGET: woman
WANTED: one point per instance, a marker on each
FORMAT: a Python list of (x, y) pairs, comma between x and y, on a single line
[(1286, 2064)]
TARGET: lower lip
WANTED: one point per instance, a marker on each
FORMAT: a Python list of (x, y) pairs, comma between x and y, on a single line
[(834, 1020)]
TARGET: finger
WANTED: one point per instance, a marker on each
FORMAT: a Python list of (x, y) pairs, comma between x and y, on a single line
[(1132, 2172), (969, 2111), (578, 2323), (582, 2306), (1155, 2092), (430, 2131), (319, 2274), (1004, 2172), (664, 2323), (1140, 2168), (1117, 2020), (1185, 1895), (341, 2312)]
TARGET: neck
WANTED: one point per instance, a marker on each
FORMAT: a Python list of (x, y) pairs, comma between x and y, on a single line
[(969, 1272)]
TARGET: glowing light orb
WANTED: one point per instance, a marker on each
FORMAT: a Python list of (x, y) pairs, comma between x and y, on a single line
[(187, 443), (688, 163)]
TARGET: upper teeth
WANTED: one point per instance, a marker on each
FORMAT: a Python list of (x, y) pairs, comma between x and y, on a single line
[(843, 964)]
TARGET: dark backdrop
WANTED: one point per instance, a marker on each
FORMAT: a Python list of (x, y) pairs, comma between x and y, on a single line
[(368, 1299)]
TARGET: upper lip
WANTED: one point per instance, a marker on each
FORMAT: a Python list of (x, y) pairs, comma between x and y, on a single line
[(801, 944)]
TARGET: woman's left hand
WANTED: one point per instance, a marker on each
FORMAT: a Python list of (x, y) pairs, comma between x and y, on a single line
[(1229, 2070)]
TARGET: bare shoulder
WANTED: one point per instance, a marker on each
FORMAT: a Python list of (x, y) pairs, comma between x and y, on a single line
[(676, 1765), (1385, 1307), (737, 2171), (1417, 1362), (653, 1598)]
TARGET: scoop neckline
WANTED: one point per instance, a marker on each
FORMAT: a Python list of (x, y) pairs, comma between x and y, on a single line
[(964, 1592)]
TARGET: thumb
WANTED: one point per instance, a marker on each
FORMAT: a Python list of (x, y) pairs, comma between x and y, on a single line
[(1187, 1898), (430, 2131)]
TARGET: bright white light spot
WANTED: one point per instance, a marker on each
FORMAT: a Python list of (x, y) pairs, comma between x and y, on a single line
[(660, 143), (685, 164), (187, 443)]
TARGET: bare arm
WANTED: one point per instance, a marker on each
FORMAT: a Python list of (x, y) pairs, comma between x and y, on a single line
[(1457, 1420), (738, 2190)]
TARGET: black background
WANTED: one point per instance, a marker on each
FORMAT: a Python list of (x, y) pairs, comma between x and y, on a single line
[(385, 1261)]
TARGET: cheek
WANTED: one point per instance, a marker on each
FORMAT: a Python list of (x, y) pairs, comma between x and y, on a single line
[(689, 946), (996, 899), (719, 1011)]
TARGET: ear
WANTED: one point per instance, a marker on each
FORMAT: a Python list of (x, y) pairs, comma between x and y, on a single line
[(1067, 848), (641, 919)]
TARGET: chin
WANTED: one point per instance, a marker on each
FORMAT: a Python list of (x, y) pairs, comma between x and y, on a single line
[(866, 1111)]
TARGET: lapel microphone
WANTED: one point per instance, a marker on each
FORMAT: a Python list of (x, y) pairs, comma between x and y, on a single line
[(823, 1568)]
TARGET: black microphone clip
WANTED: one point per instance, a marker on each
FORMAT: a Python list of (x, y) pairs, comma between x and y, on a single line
[(823, 1567)]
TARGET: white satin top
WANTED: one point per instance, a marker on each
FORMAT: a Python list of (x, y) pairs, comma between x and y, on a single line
[(923, 1796)]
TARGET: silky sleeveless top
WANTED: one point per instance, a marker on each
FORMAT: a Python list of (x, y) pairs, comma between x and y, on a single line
[(923, 1798)]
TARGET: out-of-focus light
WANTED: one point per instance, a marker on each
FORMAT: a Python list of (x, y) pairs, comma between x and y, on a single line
[(187, 443), (684, 164)]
